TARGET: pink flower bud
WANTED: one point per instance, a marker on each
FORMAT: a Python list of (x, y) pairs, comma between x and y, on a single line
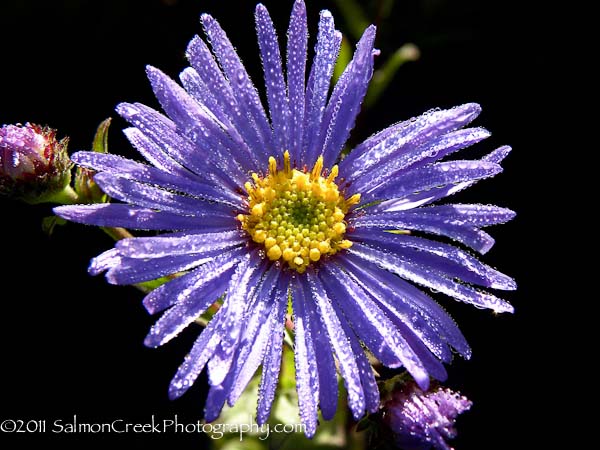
[(33, 164)]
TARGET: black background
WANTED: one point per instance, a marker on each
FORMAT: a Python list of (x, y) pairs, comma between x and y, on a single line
[(72, 344)]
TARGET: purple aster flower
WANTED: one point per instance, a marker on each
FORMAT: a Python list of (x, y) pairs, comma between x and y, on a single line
[(421, 420), (256, 211)]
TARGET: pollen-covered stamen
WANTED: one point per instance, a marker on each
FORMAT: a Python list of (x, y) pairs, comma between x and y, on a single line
[(297, 216)]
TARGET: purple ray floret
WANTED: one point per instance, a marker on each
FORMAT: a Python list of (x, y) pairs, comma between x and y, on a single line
[(349, 289)]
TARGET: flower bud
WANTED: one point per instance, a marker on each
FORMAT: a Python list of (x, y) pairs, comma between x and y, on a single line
[(34, 166), (423, 419)]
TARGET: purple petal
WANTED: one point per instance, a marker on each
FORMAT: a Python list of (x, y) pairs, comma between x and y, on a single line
[(242, 86), (379, 342), (407, 137), (274, 82), (371, 325), (155, 154), (202, 93), (118, 215), (430, 279), (404, 295), (243, 130), (242, 285), (449, 257), (345, 101), (307, 379), (423, 198), (209, 72), (272, 361), (498, 155), (104, 261), (256, 334), (296, 72), (184, 287), (206, 162), (171, 245), (199, 125), (450, 143), (328, 384), (326, 51), (432, 151), (372, 142), (339, 341), (183, 110), (478, 215), (423, 324), (365, 371), (215, 400), (196, 359), (132, 170), (191, 303), (432, 365), (144, 195), (416, 220), (431, 177), (133, 270)]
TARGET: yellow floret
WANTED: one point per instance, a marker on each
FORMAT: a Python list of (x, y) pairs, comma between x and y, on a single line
[(298, 216)]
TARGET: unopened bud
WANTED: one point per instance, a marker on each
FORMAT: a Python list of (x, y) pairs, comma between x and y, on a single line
[(34, 165), (423, 419)]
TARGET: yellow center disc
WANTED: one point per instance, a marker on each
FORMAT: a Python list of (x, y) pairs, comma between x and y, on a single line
[(297, 216)]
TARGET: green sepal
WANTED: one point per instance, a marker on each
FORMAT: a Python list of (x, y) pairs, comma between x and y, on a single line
[(85, 186), (100, 142)]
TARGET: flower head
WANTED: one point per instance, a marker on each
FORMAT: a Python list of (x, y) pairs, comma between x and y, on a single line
[(33, 164), (421, 420), (260, 209)]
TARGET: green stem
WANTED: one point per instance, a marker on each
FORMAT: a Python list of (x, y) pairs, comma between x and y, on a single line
[(67, 196), (117, 233)]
